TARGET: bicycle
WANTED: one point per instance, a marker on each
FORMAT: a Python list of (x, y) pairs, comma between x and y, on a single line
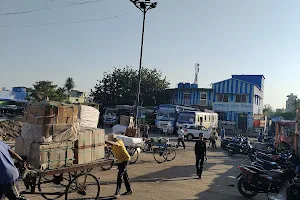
[(163, 153)]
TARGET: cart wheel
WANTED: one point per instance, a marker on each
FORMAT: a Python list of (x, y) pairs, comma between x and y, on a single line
[(109, 156), (160, 155), (53, 184), (83, 186)]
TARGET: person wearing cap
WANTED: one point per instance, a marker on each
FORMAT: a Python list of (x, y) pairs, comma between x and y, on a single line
[(121, 154)]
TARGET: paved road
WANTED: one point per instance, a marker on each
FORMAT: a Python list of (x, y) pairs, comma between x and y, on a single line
[(176, 180)]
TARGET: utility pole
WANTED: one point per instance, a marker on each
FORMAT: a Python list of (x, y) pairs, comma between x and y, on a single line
[(143, 6), (296, 131)]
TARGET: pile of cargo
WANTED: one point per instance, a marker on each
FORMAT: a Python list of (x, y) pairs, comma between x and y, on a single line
[(159, 140), (10, 129), (55, 135)]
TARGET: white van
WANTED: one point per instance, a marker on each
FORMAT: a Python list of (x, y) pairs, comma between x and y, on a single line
[(207, 119)]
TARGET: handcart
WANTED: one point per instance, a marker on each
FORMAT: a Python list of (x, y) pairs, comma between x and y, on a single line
[(72, 182)]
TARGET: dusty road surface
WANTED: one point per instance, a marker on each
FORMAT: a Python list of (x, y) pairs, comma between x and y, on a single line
[(176, 180)]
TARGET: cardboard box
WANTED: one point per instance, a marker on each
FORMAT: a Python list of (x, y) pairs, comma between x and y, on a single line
[(50, 113), (51, 155), (58, 132), (90, 146)]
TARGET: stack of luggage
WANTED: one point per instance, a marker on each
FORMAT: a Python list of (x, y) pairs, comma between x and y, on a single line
[(56, 135)]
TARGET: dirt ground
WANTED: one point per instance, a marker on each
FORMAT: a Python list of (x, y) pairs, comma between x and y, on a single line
[(176, 180)]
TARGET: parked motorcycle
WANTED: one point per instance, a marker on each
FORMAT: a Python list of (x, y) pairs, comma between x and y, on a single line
[(253, 180), (265, 165), (293, 192), (280, 159), (241, 148), (236, 139)]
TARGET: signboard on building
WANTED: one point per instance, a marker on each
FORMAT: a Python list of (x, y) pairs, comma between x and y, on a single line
[(227, 125), (235, 107)]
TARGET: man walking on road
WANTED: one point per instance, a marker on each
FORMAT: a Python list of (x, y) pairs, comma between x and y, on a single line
[(180, 137), (123, 157), (200, 152)]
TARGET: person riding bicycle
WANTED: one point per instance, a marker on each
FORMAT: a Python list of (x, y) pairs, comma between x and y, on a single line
[(9, 174)]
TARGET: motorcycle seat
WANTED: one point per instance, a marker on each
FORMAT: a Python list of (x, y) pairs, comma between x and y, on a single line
[(275, 173), (266, 162), (259, 171)]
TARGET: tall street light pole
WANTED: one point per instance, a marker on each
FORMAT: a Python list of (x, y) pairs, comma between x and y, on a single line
[(143, 6)]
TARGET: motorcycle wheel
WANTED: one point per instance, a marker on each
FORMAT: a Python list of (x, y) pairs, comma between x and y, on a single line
[(292, 193), (230, 152), (243, 191)]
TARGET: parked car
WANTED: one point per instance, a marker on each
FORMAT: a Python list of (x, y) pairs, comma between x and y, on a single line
[(192, 131)]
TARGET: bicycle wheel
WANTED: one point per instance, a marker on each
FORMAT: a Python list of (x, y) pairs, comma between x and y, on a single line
[(134, 154), (160, 155), (109, 156), (171, 153), (83, 186)]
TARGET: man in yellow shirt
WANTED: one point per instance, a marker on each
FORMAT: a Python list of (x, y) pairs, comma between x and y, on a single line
[(121, 154)]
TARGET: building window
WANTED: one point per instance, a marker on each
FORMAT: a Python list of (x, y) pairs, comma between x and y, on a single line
[(222, 97), (240, 98), (203, 97), (222, 116), (187, 96)]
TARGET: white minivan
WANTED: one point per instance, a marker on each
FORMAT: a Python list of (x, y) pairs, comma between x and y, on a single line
[(192, 131)]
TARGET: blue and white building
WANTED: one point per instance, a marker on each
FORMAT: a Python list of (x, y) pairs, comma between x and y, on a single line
[(238, 99), (190, 95)]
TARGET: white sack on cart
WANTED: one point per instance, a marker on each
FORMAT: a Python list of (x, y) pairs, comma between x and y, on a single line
[(88, 116), (130, 141)]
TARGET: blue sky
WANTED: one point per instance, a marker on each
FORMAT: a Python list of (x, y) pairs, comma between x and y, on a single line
[(225, 37)]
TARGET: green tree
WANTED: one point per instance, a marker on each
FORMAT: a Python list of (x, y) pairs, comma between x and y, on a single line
[(267, 110), (119, 87), (69, 85), (285, 115), (53, 92)]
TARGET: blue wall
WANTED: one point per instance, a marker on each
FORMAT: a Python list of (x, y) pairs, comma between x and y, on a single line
[(232, 87), (178, 96), (254, 79)]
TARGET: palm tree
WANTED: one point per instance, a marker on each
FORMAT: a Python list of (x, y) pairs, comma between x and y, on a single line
[(69, 85)]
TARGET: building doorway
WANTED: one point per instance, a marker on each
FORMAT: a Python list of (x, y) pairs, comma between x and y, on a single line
[(242, 122)]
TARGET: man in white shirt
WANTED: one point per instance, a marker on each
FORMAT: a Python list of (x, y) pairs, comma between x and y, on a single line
[(180, 137)]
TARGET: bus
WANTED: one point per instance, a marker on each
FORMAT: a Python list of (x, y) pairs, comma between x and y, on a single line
[(112, 114), (207, 119), (167, 115)]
